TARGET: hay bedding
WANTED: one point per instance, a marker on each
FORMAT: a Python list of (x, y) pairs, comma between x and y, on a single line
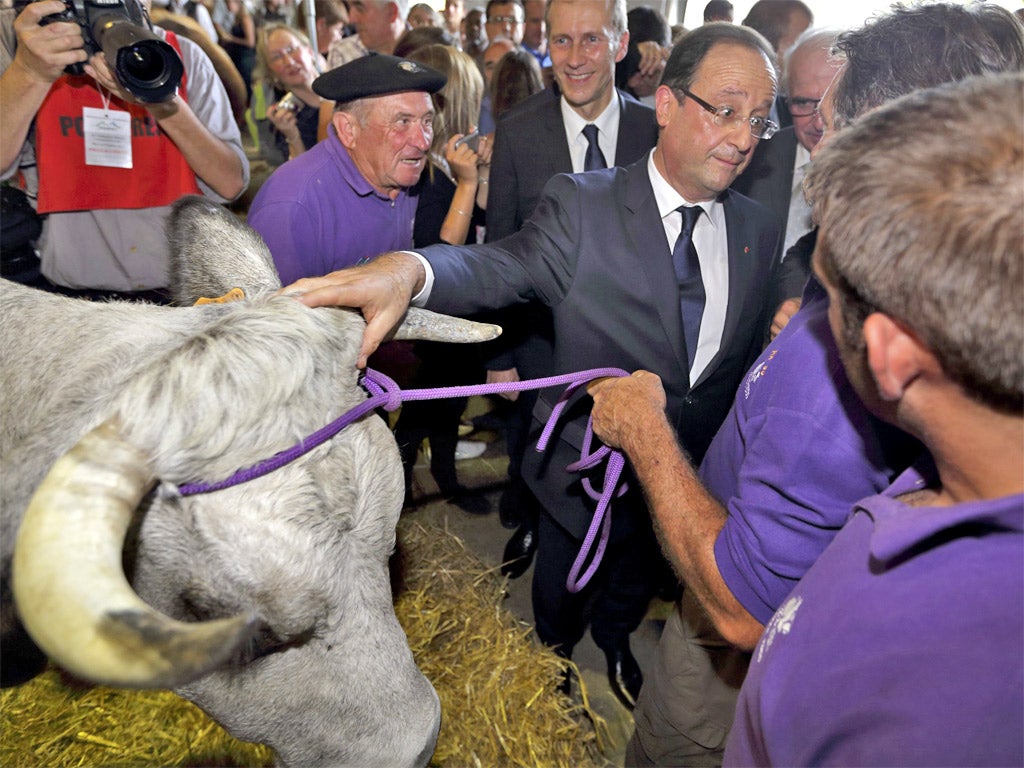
[(497, 686)]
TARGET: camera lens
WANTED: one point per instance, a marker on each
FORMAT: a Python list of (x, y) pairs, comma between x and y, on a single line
[(147, 66), (144, 64)]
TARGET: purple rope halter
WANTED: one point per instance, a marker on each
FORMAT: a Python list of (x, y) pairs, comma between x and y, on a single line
[(385, 393)]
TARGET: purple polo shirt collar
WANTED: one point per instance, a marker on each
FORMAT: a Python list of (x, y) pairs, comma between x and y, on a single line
[(899, 528)]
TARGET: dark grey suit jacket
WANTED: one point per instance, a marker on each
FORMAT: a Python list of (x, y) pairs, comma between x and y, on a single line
[(530, 148), (594, 251)]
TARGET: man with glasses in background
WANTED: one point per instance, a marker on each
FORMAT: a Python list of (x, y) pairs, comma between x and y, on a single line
[(505, 19), (656, 265), (776, 174)]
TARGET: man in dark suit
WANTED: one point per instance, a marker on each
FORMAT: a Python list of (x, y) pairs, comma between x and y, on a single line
[(539, 138), (599, 251), (775, 175)]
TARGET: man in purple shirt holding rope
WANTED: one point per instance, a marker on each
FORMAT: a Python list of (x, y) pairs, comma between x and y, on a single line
[(902, 644), (797, 449)]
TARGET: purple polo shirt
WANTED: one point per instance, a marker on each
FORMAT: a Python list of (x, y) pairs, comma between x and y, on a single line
[(795, 452), (903, 645), (317, 214)]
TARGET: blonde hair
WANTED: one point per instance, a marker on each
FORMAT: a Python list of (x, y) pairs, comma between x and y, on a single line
[(262, 69), (457, 105)]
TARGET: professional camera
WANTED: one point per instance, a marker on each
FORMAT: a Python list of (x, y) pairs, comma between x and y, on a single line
[(146, 65)]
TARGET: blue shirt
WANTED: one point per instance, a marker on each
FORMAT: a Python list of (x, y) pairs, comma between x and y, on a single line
[(317, 213)]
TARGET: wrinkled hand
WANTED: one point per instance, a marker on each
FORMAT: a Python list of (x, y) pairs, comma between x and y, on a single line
[(504, 376), (99, 70), (44, 51), (462, 160), (783, 315), (625, 408), (381, 289)]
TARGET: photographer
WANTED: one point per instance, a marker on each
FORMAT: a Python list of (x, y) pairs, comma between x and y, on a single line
[(105, 165)]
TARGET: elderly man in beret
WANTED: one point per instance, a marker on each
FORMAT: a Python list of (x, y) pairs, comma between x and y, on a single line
[(346, 199)]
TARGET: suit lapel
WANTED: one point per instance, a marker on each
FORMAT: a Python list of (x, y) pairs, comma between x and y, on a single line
[(655, 259), (554, 142)]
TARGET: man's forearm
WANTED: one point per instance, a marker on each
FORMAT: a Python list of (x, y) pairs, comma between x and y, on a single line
[(688, 520), (211, 159), (21, 95)]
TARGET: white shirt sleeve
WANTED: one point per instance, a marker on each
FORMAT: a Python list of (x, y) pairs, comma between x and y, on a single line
[(428, 283)]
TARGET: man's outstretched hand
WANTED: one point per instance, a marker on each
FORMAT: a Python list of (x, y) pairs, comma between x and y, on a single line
[(381, 290)]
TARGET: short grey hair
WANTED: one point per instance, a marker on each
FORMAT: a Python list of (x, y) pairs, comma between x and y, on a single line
[(810, 38)]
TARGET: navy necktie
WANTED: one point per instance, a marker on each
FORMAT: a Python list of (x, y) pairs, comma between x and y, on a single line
[(595, 157), (691, 286)]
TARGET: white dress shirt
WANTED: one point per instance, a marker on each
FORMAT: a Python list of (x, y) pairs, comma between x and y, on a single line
[(711, 241), (607, 132)]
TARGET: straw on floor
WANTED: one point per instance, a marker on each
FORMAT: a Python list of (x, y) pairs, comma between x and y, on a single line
[(497, 685)]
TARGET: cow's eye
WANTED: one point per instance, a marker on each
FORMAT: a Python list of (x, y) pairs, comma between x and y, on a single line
[(266, 641)]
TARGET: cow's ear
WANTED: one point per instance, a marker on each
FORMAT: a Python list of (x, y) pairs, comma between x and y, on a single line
[(213, 251)]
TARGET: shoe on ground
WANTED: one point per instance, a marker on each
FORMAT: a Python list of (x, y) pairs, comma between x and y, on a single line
[(469, 449), (624, 674), (519, 552), (510, 507), (468, 501)]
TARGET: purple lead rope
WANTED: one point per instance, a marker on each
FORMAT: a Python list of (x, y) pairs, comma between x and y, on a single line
[(385, 393)]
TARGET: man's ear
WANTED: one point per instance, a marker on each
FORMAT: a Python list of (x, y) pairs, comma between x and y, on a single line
[(620, 54), (347, 127), (664, 102), (896, 355)]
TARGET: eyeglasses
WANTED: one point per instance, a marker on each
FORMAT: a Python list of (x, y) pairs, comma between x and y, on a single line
[(760, 127), (803, 107), (284, 53), (513, 20)]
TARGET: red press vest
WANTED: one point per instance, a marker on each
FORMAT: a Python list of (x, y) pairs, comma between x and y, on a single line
[(159, 176)]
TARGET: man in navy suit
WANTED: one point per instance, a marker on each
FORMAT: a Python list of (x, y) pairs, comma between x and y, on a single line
[(537, 139), (598, 251)]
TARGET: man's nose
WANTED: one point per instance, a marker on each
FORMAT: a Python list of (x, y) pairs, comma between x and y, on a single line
[(423, 136), (740, 135)]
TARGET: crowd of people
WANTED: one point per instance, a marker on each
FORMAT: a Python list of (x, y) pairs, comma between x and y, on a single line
[(804, 242)]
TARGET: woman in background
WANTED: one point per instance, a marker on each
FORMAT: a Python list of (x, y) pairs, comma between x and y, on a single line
[(240, 42), (287, 69), (517, 75), (452, 193)]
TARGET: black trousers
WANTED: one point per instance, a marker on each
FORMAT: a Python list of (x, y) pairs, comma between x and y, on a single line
[(615, 600)]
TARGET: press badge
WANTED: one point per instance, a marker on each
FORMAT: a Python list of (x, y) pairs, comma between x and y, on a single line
[(108, 137)]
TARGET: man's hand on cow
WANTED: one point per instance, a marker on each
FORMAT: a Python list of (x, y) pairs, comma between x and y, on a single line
[(381, 290), (627, 408), (44, 51)]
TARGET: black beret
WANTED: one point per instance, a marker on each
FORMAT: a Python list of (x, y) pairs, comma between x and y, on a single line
[(375, 75)]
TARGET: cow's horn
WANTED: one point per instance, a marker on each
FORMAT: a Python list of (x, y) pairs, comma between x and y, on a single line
[(425, 325), (70, 588)]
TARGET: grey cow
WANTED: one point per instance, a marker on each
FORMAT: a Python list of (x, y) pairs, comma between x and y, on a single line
[(267, 604)]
